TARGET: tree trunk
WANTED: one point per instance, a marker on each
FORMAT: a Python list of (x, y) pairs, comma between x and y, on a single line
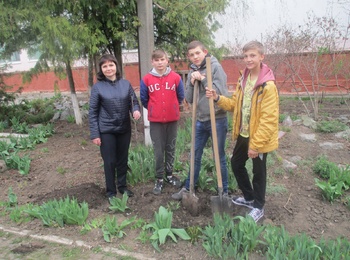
[(90, 73), (117, 49), (77, 114), (76, 109)]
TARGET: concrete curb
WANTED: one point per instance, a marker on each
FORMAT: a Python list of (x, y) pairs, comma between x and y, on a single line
[(70, 242)]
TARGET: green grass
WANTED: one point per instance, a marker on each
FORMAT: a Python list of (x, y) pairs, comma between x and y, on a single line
[(286, 129), (61, 170), (71, 253), (330, 126), (44, 150), (276, 189)]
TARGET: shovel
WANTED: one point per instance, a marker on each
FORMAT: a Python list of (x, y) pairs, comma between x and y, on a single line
[(219, 204), (189, 199)]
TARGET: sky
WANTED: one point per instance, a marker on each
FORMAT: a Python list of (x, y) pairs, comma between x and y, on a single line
[(242, 24)]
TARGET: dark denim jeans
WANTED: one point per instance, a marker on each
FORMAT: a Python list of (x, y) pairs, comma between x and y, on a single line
[(203, 132)]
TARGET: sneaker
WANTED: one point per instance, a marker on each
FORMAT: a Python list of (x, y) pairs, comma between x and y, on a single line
[(172, 180), (256, 214), (158, 187), (242, 202), (178, 195)]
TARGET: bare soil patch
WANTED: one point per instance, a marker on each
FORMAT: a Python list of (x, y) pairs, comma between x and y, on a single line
[(300, 208)]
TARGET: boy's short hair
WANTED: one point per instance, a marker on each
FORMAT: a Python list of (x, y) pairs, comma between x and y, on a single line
[(159, 53), (195, 44), (254, 45)]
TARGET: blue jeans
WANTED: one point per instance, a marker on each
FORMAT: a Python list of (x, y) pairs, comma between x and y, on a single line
[(203, 132)]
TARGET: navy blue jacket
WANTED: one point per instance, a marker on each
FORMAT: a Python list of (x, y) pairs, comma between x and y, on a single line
[(111, 103)]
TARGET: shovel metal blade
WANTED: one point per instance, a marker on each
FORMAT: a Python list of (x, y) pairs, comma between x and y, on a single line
[(221, 204), (190, 202)]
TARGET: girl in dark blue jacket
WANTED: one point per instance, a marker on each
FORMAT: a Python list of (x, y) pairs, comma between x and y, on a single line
[(111, 102)]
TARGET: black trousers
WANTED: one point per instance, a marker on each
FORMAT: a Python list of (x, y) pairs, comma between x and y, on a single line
[(257, 189), (114, 151)]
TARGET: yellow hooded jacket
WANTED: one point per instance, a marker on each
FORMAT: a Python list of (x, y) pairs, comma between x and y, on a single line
[(264, 116)]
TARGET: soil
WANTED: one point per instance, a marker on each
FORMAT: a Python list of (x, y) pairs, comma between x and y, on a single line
[(68, 164)]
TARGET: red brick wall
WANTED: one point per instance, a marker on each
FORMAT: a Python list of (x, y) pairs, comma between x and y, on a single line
[(325, 81), (49, 82)]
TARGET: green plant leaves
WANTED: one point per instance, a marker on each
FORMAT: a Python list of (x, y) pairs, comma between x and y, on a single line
[(9, 150), (330, 191), (111, 228), (323, 167), (162, 229), (161, 234), (141, 163), (330, 126), (64, 211), (119, 204), (12, 197), (336, 179), (180, 232)]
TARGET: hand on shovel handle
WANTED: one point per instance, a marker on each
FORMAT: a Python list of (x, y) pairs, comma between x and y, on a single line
[(211, 93)]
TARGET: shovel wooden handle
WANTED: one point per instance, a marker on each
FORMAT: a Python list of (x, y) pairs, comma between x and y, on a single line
[(213, 126), (193, 134)]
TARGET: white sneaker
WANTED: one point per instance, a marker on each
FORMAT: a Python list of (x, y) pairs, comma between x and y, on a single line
[(256, 214), (242, 202)]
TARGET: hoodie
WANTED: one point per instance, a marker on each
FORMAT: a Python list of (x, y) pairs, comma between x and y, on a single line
[(219, 79), (162, 95)]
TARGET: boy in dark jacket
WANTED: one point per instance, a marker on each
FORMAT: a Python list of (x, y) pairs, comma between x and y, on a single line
[(162, 92)]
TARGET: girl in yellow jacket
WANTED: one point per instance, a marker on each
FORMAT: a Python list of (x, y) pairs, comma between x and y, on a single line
[(255, 107)]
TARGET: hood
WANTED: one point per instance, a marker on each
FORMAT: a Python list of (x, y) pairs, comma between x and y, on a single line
[(155, 73), (266, 74)]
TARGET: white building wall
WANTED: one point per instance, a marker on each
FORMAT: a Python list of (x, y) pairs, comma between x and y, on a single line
[(26, 63)]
